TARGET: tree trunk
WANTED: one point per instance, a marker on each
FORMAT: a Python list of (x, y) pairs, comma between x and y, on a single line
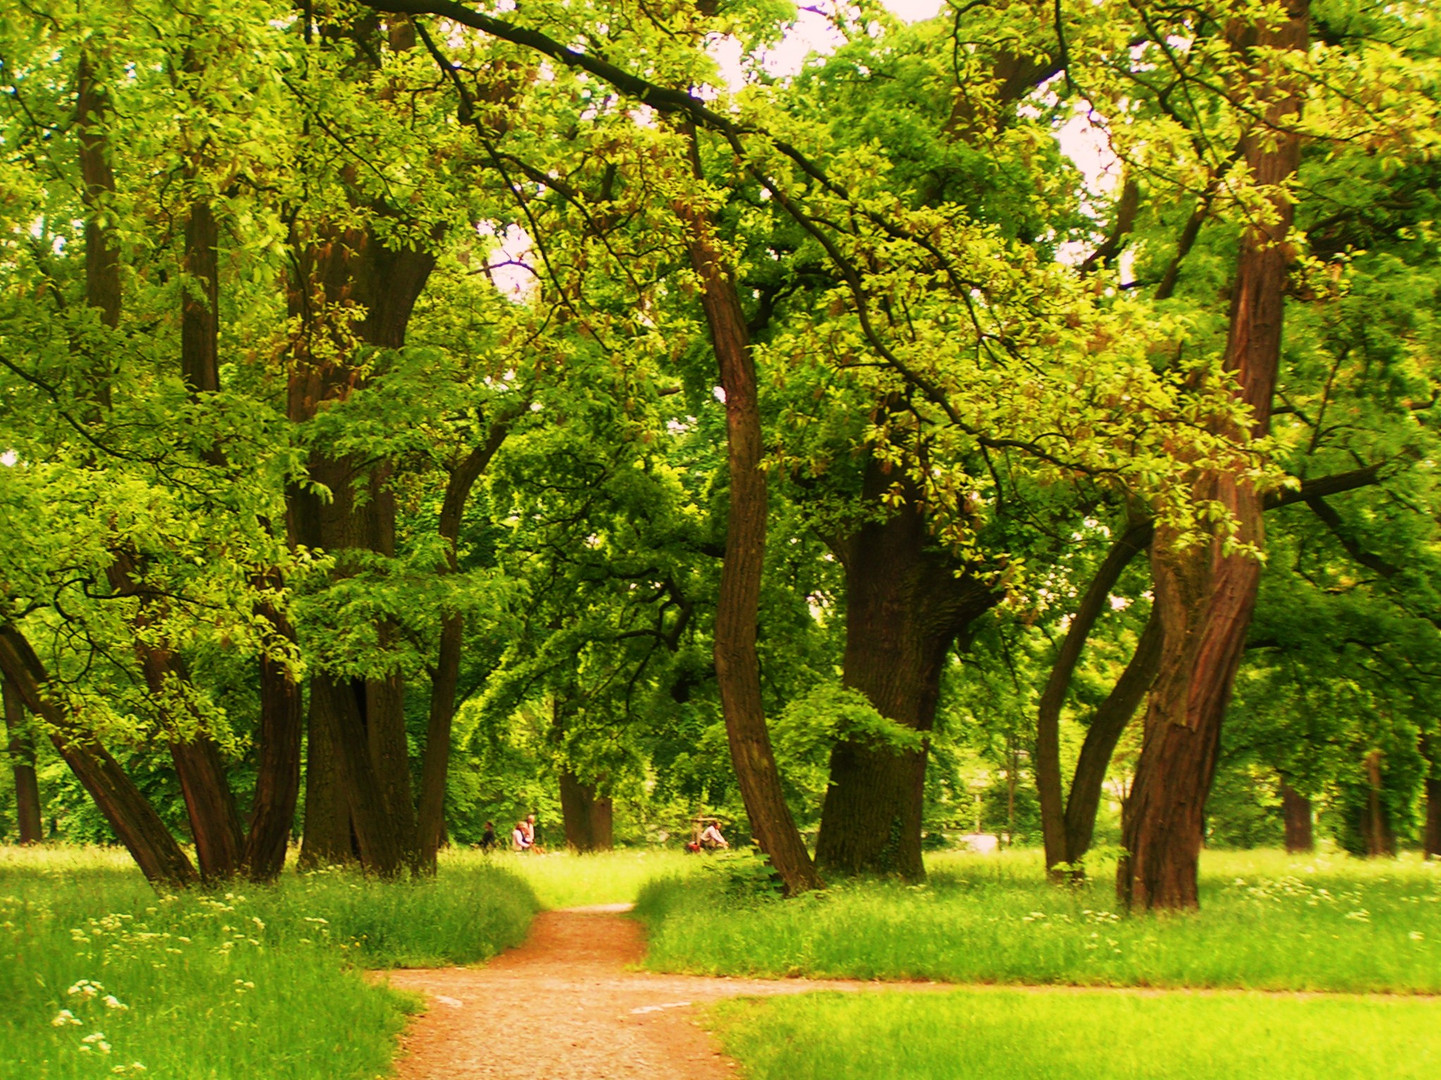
[(1107, 725), (589, 819), (128, 813), (277, 779), (1048, 714), (905, 605), (1296, 810), (1206, 592), (327, 839), (1375, 822), (1433, 818), (446, 676), (215, 825), (22, 761), (738, 604), (363, 725)]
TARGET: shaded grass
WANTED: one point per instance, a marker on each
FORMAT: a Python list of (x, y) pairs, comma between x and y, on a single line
[(254, 982), (1267, 922), (562, 879), (1013, 1034)]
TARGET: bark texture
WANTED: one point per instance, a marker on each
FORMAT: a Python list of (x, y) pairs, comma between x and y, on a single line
[(357, 727), (738, 604), (906, 601), (21, 745), (589, 817), (277, 780), (1205, 595)]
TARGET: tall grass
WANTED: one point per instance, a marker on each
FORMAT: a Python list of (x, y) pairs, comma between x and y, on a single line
[(1019, 1035), (1267, 922), (99, 975)]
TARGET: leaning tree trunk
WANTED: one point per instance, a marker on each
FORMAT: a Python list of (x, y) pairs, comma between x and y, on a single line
[(905, 604), (1107, 725), (21, 745), (127, 811), (214, 823), (1296, 813), (1048, 713), (1205, 592), (277, 779), (446, 677), (738, 604)]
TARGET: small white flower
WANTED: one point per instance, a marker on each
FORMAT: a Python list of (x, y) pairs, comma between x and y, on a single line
[(63, 1017), (113, 1002)]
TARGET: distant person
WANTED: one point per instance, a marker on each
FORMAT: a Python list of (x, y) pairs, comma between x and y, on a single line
[(530, 833), (487, 838), (711, 839), (519, 839)]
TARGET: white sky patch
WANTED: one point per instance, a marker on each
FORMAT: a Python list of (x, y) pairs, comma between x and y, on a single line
[(9, 458), (508, 264)]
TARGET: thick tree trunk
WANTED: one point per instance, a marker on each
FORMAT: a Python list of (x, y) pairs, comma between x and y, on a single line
[(132, 818), (905, 605), (22, 762), (328, 839), (738, 604), (1048, 714), (1296, 812), (358, 732), (277, 779), (1107, 725), (1205, 592), (589, 818)]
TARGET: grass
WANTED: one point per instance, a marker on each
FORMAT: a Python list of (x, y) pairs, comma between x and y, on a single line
[(1267, 922), (1019, 1035), (99, 975), (561, 879)]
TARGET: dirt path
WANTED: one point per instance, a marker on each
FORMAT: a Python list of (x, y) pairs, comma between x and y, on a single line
[(564, 1007)]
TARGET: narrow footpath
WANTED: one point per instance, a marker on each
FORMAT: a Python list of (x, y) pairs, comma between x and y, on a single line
[(563, 1006)]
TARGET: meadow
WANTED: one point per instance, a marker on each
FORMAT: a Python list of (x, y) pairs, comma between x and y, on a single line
[(1268, 922), (1011, 1034), (100, 975)]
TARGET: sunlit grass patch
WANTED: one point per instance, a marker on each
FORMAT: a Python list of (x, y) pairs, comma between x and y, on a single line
[(1267, 922), (1024, 1035), (563, 879), (98, 973)]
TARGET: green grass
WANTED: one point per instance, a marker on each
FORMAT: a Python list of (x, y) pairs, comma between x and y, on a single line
[(1267, 922), (561, 879), (1019, 1035), (256, 982)]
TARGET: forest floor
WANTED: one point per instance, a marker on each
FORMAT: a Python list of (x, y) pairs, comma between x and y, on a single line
[(571, 1004)]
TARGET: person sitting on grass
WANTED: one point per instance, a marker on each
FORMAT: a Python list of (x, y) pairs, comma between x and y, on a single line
[(711, 839), (487, 838), (519, 841)]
